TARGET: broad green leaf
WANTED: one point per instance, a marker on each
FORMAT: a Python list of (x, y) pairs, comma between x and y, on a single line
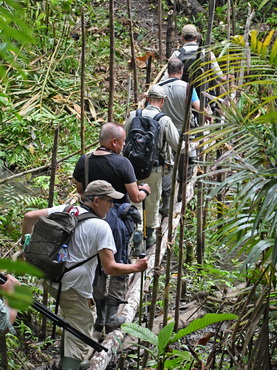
[(164, 336), (20, 268), (21, 298), (205, 321), (138, 331)]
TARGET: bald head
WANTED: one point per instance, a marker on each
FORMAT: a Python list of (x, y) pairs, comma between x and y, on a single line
[(175, 67), (110, 131), (112, 136)]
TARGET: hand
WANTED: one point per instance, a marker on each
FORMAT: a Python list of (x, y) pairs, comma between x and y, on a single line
[(141, 264), (10, 284), (145, 187)]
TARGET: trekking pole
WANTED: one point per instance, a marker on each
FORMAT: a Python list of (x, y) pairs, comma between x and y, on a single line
[(61, 322), (142, 255)]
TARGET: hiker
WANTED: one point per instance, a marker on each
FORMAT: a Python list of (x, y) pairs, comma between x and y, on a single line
[(105, 163), (174, 107), (91, 236), (110, 291), (168, 134), (7, 314), (190, 39)]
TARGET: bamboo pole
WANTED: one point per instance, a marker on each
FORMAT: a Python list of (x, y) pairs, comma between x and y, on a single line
[(155, 291), (169, 32), (112, 62), (134, 63), (160, 33), (185, 129), (50, 204), (83, 62)]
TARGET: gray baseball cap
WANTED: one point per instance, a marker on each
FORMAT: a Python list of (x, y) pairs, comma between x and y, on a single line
[(102, 187), (189, 29), (157, 92)]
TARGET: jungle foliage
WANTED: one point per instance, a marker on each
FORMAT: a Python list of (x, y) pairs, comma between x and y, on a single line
[(40, 89)]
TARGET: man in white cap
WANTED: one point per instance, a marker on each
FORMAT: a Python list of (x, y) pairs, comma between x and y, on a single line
[(92, 236), (168, 135), (190, 39)]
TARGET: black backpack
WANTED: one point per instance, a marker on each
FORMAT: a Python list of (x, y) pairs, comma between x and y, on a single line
[(142, 144), (188, 58), (49, 234)]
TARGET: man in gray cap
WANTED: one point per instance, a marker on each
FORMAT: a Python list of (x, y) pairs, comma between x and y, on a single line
[(168, 135), (92, 236), (190, 39)]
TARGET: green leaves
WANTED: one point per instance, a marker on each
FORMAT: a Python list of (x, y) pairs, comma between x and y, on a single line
[(138, 331), (19, 267), (166, 337), (197, 324)]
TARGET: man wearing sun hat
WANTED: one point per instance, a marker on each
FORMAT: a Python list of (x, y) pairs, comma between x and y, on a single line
[(168, 136), (92, 236)]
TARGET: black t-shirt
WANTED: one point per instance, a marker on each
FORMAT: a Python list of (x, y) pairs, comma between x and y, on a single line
[(114, 168)]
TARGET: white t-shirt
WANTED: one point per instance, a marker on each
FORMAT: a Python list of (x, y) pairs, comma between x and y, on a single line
[(89, 237)]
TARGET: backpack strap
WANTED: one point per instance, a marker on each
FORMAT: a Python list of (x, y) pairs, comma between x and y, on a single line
[(158, 116), (183, 51), (168, 81), (81, 217), (86, 166), (139, 112)]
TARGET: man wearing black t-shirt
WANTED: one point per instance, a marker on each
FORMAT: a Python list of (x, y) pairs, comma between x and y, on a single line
[(105, 163)]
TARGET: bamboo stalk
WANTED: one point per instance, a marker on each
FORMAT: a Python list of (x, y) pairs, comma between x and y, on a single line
[(160, 33), (155, 290), (134, 63), (185, 128), (83, 62), (112, 62)]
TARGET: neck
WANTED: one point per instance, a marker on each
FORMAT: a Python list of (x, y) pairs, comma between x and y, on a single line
[(175, 76), (103, 148), (88, 207)]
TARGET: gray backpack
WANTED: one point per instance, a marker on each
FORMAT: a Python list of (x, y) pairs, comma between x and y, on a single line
[(48, 236)]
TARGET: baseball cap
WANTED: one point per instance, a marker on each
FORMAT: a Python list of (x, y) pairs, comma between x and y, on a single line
[(189, 29), (102, 187), (156, 91)]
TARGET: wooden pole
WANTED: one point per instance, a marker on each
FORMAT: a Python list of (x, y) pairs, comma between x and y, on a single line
[(83, 84), (185, 129), (160, 33), (155, 291), (112, 63), (134, 63)]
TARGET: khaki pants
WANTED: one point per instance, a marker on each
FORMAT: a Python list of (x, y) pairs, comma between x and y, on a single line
[(153, 200), (78, 312)]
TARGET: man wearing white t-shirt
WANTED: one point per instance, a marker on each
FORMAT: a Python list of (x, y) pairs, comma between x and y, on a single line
[(91, 236)]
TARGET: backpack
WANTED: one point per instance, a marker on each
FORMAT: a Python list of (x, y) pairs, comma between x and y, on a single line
[(188, 58), (49, 234), (141, 144)]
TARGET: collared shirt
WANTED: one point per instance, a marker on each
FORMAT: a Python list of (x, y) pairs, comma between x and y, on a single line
[(174, 104), (194, 47)]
